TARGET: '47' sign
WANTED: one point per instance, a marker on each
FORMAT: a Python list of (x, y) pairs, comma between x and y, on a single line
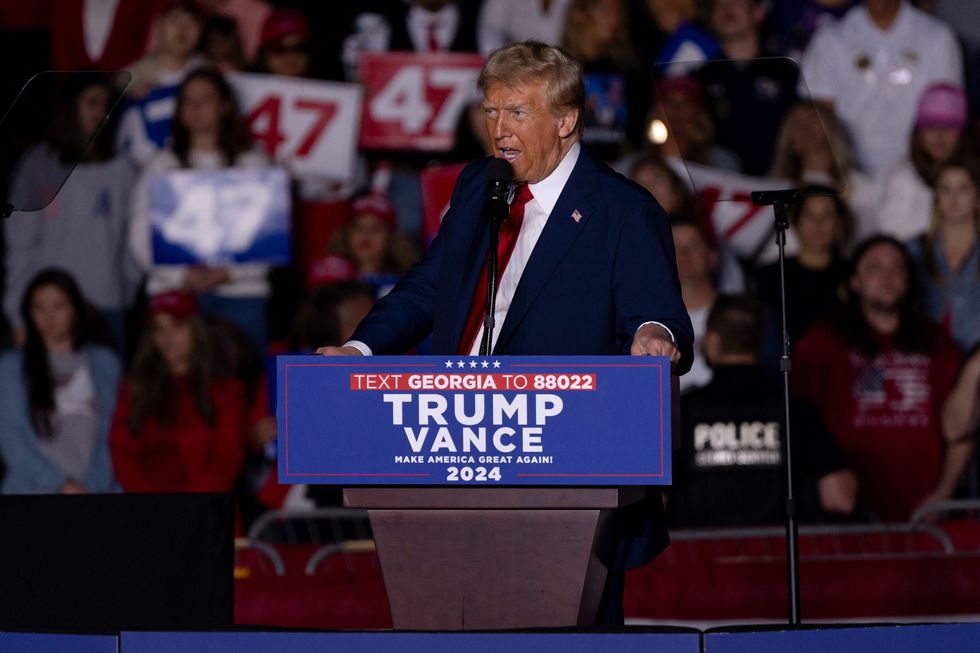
[(414, 101), (309, 126)]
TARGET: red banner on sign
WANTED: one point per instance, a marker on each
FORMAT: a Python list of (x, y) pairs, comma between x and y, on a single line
[(437, 189), (414, 101)]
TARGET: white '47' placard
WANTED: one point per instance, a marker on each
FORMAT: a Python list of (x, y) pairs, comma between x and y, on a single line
[(309, 126)]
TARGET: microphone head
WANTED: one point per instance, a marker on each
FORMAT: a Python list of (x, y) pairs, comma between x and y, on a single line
[(499, 171)]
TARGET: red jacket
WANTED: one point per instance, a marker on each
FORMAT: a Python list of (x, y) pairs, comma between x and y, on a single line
[(187, 455)]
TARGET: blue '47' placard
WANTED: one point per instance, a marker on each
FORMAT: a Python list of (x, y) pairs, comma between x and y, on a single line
[(472, 420)]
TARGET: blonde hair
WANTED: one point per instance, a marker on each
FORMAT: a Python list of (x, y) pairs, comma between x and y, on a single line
[(399, 253), (519, 63), (787, 163)]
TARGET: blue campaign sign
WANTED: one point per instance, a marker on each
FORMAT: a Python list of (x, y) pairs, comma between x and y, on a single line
[(144, 123), (218, 217), (469, 420), (398, 642), (55, 643), (894, 639)]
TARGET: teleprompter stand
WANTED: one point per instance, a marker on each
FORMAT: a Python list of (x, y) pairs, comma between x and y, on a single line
[(780, 200)]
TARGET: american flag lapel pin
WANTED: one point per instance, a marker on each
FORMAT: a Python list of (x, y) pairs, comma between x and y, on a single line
[(576, 215)]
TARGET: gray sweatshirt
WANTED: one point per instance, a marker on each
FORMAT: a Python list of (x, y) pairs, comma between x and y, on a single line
[(83, 230)]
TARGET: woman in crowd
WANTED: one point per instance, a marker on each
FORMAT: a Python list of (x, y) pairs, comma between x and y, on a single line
[(180, 424), (680, 124), (823, 225), (145, 124), (812, 149), (906, 197), (668, 36), (652, 171), (329, 315), (617, 88), (177, 34), (82, 226), (948, 256), (372, 242), (285, 44), (56, 395), (221, 46), (208, 134)]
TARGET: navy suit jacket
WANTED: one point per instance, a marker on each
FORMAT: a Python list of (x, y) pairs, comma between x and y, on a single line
[(587, 287)]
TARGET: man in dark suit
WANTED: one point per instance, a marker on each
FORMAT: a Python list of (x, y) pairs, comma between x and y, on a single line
[(586, 256)]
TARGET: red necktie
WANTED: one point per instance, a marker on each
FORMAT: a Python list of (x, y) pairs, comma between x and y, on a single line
[(505, 247), (433, 36)]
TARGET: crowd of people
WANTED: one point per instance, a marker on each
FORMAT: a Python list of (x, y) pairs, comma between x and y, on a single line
[(124, 373)]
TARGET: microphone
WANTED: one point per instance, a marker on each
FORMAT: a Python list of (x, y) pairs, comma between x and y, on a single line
[(499, 176)]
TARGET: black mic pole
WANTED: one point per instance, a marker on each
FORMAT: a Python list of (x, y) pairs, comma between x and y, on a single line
[(491, 285), (780, 200), (499, 176)]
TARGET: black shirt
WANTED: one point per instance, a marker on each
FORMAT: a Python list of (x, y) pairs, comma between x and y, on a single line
[(748, 101), (811, 295), (729, 467)]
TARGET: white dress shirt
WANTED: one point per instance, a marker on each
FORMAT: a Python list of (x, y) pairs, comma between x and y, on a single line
[(419, 23), (545, 195)]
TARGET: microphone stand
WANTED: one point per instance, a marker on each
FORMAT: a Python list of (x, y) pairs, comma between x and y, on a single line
[(780, 200), (497, 210), (495, 222)]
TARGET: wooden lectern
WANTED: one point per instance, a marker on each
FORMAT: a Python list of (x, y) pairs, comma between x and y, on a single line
[(489, 482), (490, 558)]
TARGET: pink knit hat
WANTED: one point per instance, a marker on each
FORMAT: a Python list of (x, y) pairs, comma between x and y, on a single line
[(942, 105)]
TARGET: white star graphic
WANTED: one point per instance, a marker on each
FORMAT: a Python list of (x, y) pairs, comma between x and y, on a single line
[(496, 364), (461, 364), (485, 364), (472, 364), (449, 363)]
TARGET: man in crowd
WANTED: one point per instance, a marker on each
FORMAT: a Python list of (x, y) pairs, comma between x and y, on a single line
[(730, 468), (586, 257), (873, 66), (747, 96), (885, 381)]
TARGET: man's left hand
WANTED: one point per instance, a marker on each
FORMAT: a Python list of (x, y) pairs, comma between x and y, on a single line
[(654, 340)]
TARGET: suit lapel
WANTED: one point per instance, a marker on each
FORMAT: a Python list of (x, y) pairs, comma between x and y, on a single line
[(560, 232), (469, 272)]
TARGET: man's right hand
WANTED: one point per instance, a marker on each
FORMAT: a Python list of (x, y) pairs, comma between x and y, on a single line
[(339, 351)]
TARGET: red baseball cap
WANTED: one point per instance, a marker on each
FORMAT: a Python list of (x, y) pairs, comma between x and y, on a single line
[(282, 22), (376, 204), (685, 86), (328, 269), (176, 303)]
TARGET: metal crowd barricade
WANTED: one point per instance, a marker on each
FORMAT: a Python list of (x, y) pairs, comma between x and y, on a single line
[(314, 526)]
